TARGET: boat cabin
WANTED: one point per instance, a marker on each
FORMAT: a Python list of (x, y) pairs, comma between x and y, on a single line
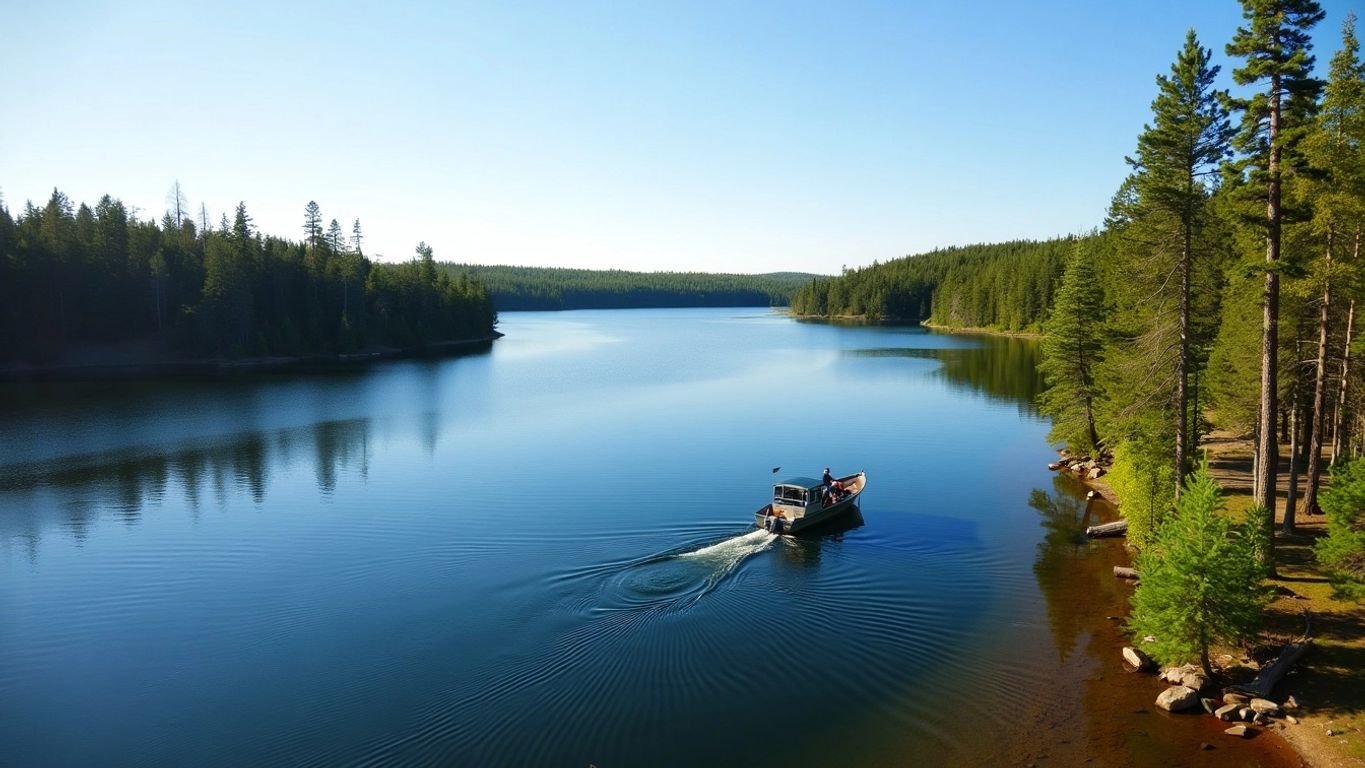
[(797, 493)]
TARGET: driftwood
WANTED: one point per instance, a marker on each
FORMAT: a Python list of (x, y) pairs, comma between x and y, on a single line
[(1125, 573), (1266, 678), (1116, 528)]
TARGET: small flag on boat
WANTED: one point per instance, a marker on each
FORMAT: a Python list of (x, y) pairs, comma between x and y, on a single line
[(775, 470)]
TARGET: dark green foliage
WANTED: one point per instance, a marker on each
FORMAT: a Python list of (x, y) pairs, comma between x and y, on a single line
[(1202, 580), (1187, 140), (1342, 551), (1165, 263), (540, 288), (1072, 349), (1005, 287), (1277, 48), (79, 286)]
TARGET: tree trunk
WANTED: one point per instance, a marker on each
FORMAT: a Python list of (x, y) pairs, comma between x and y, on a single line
[(1116, 528), (1316, 416), (1182, 416), (1265, 680), (1266, 447), (1340, 416), (1292, 494)]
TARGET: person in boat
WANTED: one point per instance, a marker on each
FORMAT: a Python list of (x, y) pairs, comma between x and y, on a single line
[(834, 489)]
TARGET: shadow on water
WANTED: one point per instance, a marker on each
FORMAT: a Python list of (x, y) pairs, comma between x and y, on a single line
[(804, 548), (1004, 369)]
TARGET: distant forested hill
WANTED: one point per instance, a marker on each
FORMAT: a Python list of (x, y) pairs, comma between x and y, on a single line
[(82, 285), (525, 288), (1007, 286)]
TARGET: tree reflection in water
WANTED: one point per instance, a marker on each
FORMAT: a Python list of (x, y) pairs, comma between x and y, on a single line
[(69, 493)]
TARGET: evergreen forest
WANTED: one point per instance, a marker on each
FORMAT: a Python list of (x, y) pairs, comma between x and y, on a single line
[(82, 286), (1221, 292), (1006, 287), (542, 288)]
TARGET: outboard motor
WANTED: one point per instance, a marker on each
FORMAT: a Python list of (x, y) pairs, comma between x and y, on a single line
[(773, 523)]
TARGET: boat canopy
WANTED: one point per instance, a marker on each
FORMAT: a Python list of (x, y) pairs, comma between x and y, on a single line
[(801, 482)]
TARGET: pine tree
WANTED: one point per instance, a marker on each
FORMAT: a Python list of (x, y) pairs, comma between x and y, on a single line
[(312, 224), (179, 209), (356, 237), (1342, 551), (1276, 45), (1336, 148), (1176, 158), (1202, 578), (335, 239), (1071, 349)]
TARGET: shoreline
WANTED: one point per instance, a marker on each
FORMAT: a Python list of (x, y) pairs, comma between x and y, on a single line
[(1329, 731), (975, 331), (952, 329), (222, 367)]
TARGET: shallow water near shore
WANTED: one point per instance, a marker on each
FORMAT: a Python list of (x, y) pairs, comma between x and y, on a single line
[(545, 555)]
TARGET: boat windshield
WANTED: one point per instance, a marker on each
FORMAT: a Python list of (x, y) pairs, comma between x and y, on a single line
[(789, 494)]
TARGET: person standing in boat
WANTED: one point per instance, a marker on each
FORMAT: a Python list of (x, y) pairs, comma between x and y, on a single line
[(833, 488)]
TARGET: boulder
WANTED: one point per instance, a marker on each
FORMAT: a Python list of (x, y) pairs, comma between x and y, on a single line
[(1291, 703), (1177, 698), (1210, 706), (1136, 659), (1239, 730), (1244, 713), (1226, 712), (1236, 698), (1054, 466), (1291, 719), (1189, 676), (1095, 473), (1261, 718), (1264, 707)]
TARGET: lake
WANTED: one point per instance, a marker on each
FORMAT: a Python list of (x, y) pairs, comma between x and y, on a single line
[(544, 554)]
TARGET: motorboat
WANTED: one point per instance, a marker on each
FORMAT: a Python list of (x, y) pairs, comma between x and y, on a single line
[(801, 502)]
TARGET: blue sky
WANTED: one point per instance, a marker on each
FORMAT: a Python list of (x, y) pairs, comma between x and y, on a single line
[(751, 137)]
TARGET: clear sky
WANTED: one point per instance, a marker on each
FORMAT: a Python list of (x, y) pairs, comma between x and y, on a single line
[(729, 136)]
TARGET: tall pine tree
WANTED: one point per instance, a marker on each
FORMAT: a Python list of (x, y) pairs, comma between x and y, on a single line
[(1177, 157), (1336, 149), (1276, 45)]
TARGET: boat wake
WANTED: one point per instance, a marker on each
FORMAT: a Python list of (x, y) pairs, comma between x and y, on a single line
[(676, 579)]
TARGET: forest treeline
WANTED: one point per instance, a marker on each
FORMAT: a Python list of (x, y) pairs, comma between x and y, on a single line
[(1220, 293), (77, 282), (1004, 286), (545, 288)]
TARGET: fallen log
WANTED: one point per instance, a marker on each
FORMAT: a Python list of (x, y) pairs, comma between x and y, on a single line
[(1125, 573), (1116, 528), (1265, 680)]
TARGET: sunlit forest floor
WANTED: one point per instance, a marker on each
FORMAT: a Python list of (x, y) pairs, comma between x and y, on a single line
[(1329, 683)]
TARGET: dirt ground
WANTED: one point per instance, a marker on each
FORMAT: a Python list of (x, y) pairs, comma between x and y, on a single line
[(1329, 683)]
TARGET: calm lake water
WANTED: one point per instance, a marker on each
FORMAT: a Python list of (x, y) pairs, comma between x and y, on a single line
[(544, 554)]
